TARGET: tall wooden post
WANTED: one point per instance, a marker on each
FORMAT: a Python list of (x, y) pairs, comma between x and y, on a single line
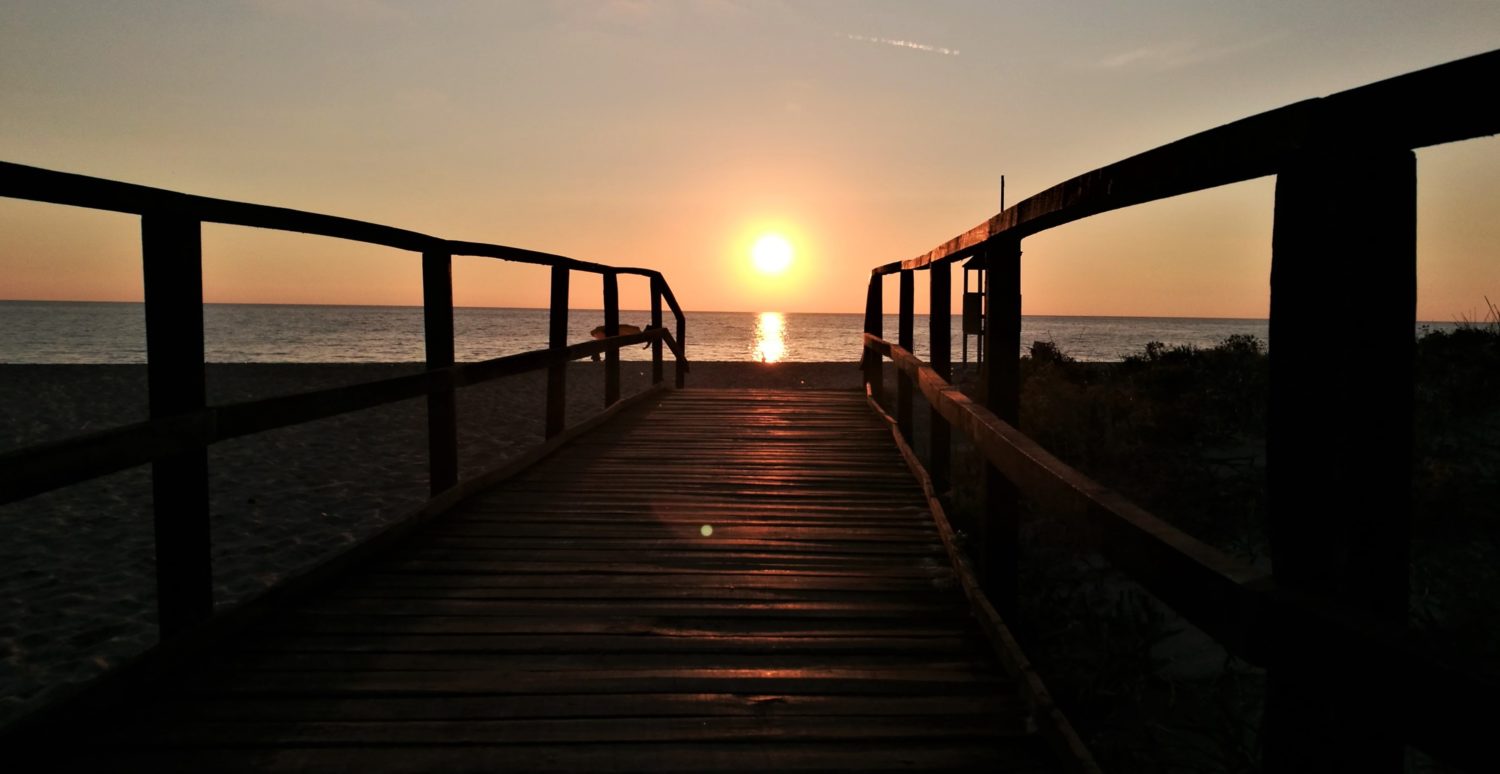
[(172, 262), (442, 417), (875, 326), (1339, 442), (905, 325), (557, 341), (940, 357), (1002, 379), (656, 364), (611, 328), (679, 366)]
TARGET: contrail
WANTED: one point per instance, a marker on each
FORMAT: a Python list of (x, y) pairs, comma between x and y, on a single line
[(901, 43)]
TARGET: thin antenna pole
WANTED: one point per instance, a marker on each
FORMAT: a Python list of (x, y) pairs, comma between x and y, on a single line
[(1002, 193)]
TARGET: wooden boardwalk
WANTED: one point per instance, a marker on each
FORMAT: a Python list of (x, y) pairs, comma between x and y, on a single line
[(729, 580)]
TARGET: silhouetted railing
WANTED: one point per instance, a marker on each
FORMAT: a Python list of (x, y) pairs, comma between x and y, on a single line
[(175, 439), (1346, 688)]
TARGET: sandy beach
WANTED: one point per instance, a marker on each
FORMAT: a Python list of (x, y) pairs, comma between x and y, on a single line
[(77, 565)]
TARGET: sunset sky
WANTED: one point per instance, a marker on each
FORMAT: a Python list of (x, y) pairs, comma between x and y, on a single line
[(675, 134)]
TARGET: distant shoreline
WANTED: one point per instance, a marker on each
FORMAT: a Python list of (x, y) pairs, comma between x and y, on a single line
[(688, 313)]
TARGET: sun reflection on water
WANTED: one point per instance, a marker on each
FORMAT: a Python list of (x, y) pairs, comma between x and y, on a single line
[(770, 337)]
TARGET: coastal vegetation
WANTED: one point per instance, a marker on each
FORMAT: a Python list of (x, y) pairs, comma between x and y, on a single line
[(1180, 430)]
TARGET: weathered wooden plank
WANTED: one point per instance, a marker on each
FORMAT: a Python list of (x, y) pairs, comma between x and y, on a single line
[(494, 645), (907, 544), (796, 680), (624, 567), (537, 663), (1018, 758), (724, 730), (639, 705), (646, 529), (708, 627), (654, 608), (752, 581)]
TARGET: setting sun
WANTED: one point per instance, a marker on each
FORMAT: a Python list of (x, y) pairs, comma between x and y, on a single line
[(772, 254)]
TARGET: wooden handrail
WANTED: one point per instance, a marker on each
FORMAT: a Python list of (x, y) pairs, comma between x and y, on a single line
[(1240, 606), (175, 440), (19, 181), (40, 468), (1415, 110), (1343, 247), (1218, 593)]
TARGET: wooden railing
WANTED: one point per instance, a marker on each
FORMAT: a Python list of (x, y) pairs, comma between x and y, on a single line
[(182, 424), (1346, 688)]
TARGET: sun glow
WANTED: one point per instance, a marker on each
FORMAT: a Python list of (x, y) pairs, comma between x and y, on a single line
[(772, 254)]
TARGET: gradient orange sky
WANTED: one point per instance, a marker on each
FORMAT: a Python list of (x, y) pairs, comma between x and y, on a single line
[(673, 134)]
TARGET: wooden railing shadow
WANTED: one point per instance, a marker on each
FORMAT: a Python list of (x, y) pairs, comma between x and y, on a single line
[(1347, 687), (182, 425)]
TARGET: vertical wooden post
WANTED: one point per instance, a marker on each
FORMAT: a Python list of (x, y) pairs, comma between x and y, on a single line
[(172, 262), (557, 340), (875, 326), (679, 368), (1002, 378), (656, 365), (1339, 442), (437, 321), (905, 325), (964, 327), (611, 328), (940, 357)]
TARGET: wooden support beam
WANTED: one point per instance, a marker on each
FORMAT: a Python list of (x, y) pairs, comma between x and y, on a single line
[(442, 415), (875, 326), (656, 362), (172, 264), (557, 340), (679, 344), (611, 328), (940, 356), (1339, 440), (905, 325), (1000, 531)]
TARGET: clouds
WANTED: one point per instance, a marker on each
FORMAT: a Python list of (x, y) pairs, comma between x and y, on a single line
[(1161, 57), (900, 44)]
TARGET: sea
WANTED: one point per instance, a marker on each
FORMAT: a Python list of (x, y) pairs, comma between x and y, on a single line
[(115, 332)]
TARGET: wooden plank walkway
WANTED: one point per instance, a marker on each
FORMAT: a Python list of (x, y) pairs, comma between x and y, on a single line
[(731, 580)]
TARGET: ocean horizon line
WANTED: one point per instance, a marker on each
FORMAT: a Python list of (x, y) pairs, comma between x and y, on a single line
[(623, 309)]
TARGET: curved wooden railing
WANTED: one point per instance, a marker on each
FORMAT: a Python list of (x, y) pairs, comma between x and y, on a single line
[(1346, 686), (182, 425)]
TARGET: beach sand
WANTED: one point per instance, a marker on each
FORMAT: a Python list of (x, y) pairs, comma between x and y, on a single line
[(77, 566)]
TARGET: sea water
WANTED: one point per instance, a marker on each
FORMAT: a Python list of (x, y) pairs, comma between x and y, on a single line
[(90, 332)]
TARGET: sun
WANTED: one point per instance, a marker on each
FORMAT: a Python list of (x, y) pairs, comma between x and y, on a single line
[(772, 254)]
